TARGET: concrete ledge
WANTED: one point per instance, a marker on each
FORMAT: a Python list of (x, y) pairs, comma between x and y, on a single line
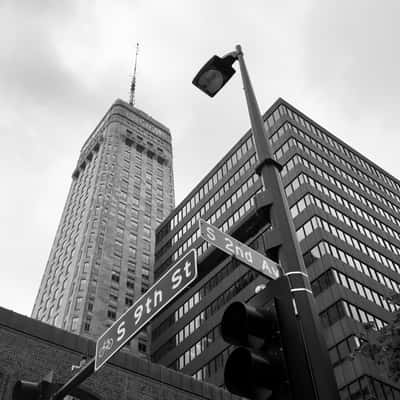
[(31, 348)]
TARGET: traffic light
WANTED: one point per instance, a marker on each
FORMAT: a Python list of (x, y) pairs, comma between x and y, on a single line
[(271, 362), (259, 364), (25, 390)]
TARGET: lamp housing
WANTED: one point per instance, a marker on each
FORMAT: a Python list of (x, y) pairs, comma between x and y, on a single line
[(214, 74)]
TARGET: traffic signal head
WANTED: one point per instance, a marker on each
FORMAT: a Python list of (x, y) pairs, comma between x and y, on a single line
[(251, 375), (272, 361), (244, 325), (25, 390), (256, 367)]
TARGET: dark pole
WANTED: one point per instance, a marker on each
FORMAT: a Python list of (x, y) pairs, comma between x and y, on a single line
[(289, 253), (77, 379)]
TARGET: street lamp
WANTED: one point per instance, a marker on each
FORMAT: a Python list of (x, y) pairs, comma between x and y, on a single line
[(215, 73), (210, 79)]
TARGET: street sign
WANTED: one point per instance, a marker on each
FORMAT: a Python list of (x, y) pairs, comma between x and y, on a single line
[(177, 278), (239, 250)]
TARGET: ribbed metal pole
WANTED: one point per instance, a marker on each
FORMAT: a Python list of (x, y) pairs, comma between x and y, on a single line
[(290, 256)]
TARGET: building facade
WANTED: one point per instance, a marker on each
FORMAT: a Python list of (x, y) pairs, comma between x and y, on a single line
[(102, 256), (346, 214)]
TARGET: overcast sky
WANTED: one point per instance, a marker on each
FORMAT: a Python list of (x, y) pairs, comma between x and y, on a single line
[(63, 63)]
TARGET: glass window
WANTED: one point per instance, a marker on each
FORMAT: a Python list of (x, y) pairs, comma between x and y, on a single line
[(78, 303), (146, 232), (343, 350), (74, 324)]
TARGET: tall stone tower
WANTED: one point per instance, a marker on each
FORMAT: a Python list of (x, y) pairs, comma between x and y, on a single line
[(103, 253)]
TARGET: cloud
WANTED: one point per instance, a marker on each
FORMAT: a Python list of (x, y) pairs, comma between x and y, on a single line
[(29, 60), (352, 54), (64, 62)]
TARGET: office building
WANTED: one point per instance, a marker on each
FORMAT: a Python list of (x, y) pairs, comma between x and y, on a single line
[(102, 256), (346, 213)]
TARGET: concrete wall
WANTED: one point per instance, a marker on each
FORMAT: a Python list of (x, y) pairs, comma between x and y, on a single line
[(30, 349)]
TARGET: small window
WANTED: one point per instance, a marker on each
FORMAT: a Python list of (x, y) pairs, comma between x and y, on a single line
[(146, 232), (142, 347), (128, 301), (115, 276), (74, 324), (111, 314), (113, 297)]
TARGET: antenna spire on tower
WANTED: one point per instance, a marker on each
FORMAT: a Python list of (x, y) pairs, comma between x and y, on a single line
[(133, 83)]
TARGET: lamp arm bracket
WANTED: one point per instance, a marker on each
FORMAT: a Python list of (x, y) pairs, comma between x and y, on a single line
[(232, 55)]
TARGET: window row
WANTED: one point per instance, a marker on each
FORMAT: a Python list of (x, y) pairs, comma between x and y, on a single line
[(342, 350), (207, 187), (362, 199), (167, 228), (309, 199), (213, 366), (333, 276), (345, 163), (302, 179), (50, 299), (215, 306), (233, 219), (75, 204), (93, 141), (272, 119), (68, 230), (152, 152), (364, 291), (208, 286), (144, 128), (226, 206), (323, 248), (85, 176), (293, 143), (198, 348), (57, 295), (81, 171), (338, 146), (238, 214), (342, 309), (317, 222), (323, 282), (219, 194)]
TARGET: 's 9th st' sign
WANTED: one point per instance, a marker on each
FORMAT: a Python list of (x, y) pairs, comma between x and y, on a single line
[(145, 308), (239, 250)]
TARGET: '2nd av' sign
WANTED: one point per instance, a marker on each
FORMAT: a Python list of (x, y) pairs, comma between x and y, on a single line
[(239, 250)]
